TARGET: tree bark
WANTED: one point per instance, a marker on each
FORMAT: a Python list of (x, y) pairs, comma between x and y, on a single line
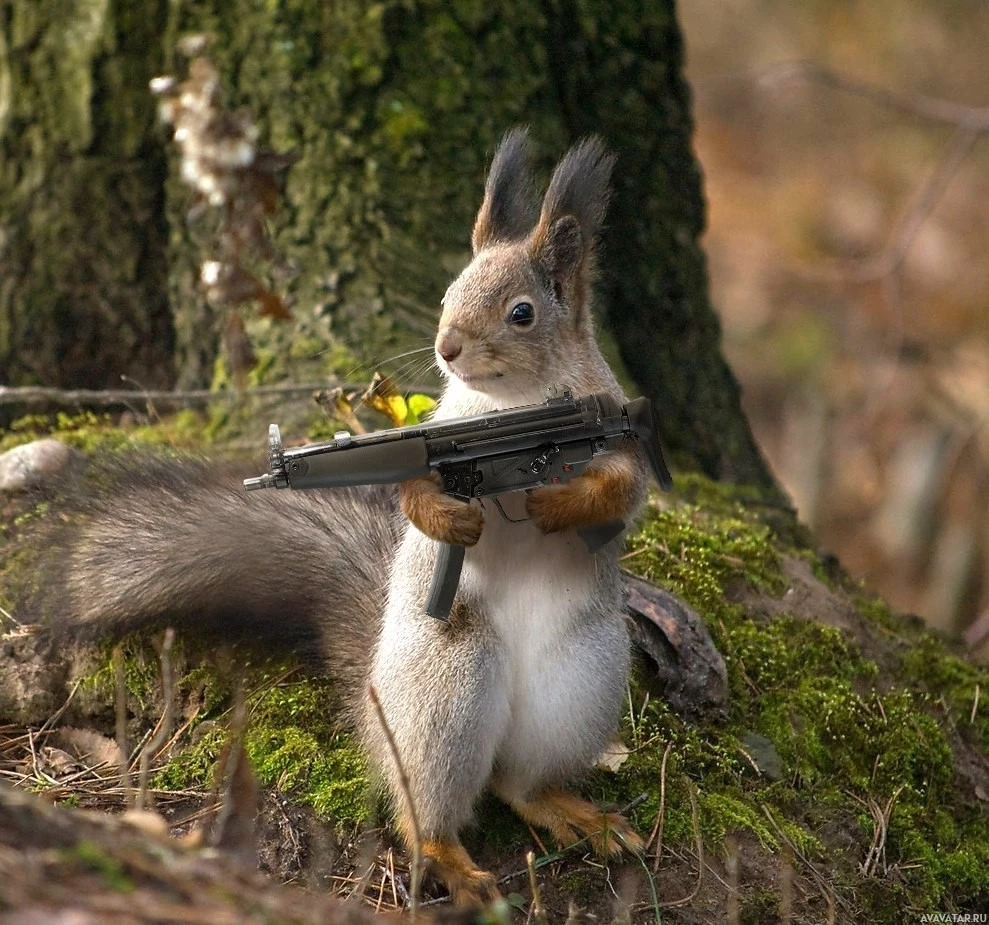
[(82, 235)]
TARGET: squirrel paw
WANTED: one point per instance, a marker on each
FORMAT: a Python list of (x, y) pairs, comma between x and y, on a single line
[(606, 492), (467, 883), (438, 515), (615, 836), (475, 889), (555, 507), (570, 818)]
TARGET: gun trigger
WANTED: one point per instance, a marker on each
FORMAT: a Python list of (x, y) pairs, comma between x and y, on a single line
[(504, 513)]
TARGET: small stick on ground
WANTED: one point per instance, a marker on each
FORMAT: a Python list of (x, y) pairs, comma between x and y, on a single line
[(657, 830), (538, 912), (120, 701), (416, 873), (699, 844), (161, 735)]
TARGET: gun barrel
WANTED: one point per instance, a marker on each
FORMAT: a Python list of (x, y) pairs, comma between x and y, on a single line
[(357, 464), (262, 481)]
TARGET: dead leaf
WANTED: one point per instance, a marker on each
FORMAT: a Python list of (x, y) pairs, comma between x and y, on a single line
[(613, 757)]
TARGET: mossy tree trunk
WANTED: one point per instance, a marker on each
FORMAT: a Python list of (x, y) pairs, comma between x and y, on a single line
[(83, 297), (394, 108)]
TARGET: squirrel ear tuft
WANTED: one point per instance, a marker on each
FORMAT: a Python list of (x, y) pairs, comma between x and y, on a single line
[(580, 187), (571, 217), (509, 207)]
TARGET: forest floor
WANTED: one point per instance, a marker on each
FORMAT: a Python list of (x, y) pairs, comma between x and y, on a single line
[(845, 778)]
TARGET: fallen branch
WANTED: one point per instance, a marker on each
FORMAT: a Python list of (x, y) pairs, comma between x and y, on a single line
[(33, 396)]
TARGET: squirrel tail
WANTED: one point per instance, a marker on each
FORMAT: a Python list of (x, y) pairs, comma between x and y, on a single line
[(149, 542)]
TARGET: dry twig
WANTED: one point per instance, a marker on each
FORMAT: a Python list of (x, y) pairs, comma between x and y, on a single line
[(164, 724), (657, 831), (416, 874)]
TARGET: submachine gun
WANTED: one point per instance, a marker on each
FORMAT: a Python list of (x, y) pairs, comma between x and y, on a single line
[(480, 456)]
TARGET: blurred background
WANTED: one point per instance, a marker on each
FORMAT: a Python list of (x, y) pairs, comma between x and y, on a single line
[(847, 239)]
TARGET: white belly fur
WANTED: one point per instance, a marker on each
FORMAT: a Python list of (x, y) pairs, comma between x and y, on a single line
[(565, 678)]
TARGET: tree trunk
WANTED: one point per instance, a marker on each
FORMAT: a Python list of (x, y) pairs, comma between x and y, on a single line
[(82, 234), (394, 109)]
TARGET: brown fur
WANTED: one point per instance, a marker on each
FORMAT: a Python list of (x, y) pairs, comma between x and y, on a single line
[(438, 515), (607, 491), (467, 883)]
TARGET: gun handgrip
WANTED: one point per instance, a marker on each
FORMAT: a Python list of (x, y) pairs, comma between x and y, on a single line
[(595, 537), (446, 578)]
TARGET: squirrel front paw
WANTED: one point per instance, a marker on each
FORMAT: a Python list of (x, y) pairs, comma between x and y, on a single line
[(438, 515), (606, 492), (555, 507)]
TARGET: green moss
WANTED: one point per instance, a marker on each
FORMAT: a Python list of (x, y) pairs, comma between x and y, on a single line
[(877, 611), (293, 740), (296, 744), (722, 814), (958, 683), (193, 767), (18, 577), (99, 433), (142, 674), (844, 742), (695, 555), (93, 857), (293, 736)]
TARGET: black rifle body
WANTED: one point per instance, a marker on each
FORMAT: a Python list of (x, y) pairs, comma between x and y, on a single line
[(479, 456)]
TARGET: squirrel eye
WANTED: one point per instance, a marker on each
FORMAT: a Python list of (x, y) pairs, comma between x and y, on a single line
[(522, 314)]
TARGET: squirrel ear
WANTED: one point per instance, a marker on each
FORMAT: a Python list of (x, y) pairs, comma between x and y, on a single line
[(561, 251), (572, 213), (509, 207), (580, 187)]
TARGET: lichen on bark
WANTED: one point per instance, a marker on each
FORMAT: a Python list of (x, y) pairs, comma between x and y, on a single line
[(81, 224)]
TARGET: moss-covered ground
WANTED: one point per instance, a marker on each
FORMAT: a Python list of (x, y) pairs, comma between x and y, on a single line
[(819, 739), (853, 751)]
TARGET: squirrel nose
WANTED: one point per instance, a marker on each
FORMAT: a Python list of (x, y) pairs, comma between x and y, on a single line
[(449, 344)]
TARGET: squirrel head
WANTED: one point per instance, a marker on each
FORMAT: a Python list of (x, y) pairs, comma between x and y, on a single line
[(518, 317)]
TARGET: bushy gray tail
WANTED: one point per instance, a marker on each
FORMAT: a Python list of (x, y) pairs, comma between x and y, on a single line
[(155, 542)]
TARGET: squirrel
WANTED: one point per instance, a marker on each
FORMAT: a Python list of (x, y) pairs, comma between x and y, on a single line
[(523, 688)]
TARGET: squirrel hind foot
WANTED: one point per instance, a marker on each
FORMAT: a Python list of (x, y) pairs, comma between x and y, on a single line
[(568, 818), (450, 863)]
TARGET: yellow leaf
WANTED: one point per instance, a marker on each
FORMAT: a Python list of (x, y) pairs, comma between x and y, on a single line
[(384, 397), (419, 406), (392, 405)]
